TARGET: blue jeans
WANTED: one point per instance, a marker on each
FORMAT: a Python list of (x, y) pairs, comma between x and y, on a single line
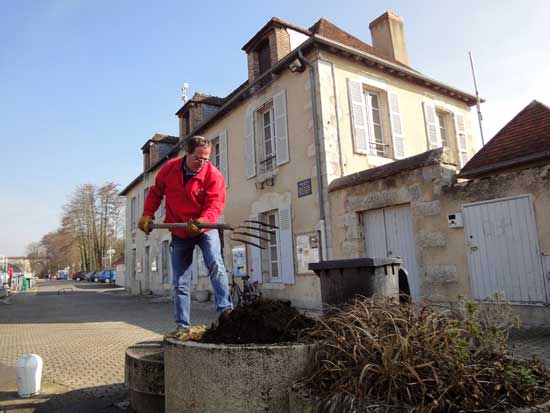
[(182, 257)]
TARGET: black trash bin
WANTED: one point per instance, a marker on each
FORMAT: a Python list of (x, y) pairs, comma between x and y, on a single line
[(341, 280)]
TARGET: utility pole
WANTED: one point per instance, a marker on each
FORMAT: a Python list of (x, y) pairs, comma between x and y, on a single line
[(480, 118)]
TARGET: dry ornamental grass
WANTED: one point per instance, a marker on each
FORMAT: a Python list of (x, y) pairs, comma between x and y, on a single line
[(377, 355)]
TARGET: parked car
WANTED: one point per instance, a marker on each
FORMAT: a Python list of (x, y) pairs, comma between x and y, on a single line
[(78, 276), (107, 276), (94, 276)]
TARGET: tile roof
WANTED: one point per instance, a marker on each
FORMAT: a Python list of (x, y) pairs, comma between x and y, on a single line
[(325, 28), (393, 168), (525, 138)]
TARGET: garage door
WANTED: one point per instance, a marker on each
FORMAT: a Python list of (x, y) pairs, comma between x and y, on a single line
[(389, 232), (503, 250)]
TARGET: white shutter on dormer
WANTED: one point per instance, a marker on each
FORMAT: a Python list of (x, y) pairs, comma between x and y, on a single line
[(461, 138), (223, 156), (359, 121), (396, 126), (249, 152), (432, 126), (281, 127), (286, 246)]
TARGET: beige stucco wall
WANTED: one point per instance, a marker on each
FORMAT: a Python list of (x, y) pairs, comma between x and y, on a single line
[(432, 195), (411, 97), (243, 199)]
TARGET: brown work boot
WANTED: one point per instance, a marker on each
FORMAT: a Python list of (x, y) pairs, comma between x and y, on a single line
[(179, 333)]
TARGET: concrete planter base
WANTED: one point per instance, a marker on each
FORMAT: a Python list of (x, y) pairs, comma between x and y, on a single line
[(232, 378), (144, 375)]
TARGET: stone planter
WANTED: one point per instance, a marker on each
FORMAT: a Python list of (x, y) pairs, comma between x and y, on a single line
[(230, 377), (144, 376)]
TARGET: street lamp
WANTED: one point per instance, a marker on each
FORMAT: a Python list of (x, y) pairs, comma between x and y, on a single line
[(110, 253)]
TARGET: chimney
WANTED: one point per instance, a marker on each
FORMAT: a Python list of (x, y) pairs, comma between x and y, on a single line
[(388, 36)]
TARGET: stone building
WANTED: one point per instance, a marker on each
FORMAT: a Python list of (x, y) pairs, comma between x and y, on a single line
[(471, 234), (319, 104)]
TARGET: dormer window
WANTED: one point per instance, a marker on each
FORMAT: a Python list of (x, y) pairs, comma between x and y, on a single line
[(264, 56)]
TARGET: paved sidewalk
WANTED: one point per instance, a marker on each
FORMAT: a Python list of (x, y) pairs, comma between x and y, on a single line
[(81, 333)]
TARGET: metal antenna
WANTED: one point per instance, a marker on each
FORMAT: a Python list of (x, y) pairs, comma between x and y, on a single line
[(477, 99), (184, 90)]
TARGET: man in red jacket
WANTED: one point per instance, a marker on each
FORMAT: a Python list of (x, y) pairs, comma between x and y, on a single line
[(195, 193)]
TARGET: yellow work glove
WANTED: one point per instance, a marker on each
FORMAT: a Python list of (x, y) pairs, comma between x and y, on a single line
[(193, 228), (145, 224)]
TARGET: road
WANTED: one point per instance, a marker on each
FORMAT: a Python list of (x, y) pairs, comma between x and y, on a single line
[(81, 330)]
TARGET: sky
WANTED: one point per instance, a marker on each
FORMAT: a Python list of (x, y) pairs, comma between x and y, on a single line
[(84, 84)]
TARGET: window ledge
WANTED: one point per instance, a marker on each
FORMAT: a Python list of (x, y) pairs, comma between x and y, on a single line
[(375, 160), (272, 286), (264, 176)]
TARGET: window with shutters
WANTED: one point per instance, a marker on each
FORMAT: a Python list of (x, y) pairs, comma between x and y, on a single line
[(270, 253), (215, 153), (266, 142), (374, 115), (266, 139), (376, 120)]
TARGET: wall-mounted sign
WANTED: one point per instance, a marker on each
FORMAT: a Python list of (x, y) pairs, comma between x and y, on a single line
[(307, 250), (304, 187), (239, 260)]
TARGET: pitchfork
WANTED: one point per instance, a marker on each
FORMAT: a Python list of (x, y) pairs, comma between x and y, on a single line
[(239, 230)]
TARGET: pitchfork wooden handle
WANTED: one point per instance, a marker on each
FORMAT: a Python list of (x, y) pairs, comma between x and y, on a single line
[(183, 225)]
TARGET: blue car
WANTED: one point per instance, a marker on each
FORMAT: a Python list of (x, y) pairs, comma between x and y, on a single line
[(107, 276)]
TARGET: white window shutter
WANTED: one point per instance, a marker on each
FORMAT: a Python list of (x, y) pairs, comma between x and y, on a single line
[(256, 259), (223, 156), (249, 153), (359, 121), (281, 127), (461, 138), (286, 248), (396, 126), (432, 126)]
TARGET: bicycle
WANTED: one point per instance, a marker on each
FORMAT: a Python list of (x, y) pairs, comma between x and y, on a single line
[(248, 294)]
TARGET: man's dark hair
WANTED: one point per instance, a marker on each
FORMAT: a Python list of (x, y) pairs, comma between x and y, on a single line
[(197, 141)]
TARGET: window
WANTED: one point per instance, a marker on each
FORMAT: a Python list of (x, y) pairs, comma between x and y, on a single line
[(374, 115), (186, 125), (270, 255), (215, 154), (267, 138), (443, 128), (133, 213), (375, 120)]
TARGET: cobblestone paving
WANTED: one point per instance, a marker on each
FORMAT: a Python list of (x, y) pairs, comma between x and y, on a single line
[(82, 333)]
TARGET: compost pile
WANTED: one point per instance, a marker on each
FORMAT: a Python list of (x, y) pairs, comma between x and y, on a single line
[(378, 355), (262, 322)]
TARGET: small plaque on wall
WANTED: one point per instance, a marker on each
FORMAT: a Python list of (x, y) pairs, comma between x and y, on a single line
[(304, 187)]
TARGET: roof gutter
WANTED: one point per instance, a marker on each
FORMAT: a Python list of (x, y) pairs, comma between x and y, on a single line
[(476, 172)]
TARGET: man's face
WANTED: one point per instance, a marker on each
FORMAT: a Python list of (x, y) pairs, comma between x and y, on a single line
[(196, 160)]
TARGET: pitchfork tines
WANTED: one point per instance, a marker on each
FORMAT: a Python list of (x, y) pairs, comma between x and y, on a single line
[(257, 230)]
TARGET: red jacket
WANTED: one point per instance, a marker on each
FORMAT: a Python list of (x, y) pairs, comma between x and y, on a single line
[(203, 196)]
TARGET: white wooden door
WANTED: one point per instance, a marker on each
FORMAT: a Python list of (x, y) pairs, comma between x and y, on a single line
[(503, 251), (389, 232)]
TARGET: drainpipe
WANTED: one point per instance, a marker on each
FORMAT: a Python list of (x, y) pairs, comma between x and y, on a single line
[(317, 142)]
